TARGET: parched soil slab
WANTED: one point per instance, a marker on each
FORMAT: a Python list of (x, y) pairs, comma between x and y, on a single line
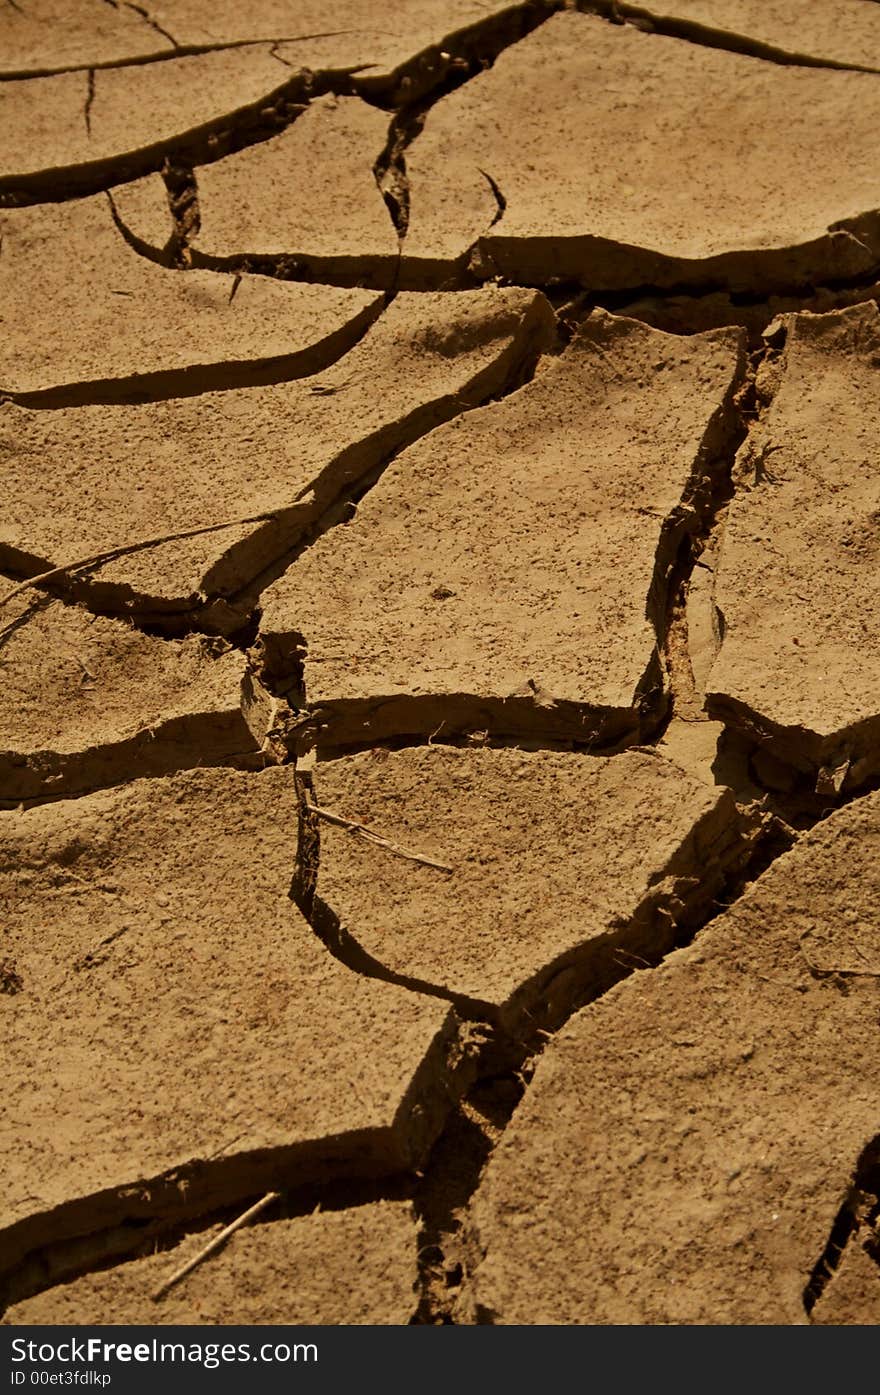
[(650, 166), (115, 123), (309, 195), (177, 1038), (562, 870), (799, 665), (686, 1144), (508, 573), (334, 1267), (83, 481), (843, 33), (84, 315), (50, 34), (52, 112), (86, 702)]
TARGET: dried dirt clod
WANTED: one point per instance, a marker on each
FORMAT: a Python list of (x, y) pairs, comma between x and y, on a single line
[(852, 1297), (699, 196), (42, 35), (475, 591), (309, 195), (87, 701), (185, 1040), (844, 32), (799, 666), (287, 451), (686, 1144), (334, 1267), (563, 871), (87, 314)]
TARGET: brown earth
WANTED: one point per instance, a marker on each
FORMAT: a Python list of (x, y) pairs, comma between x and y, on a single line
[(799, 662), (724, 1101), (353, 1266), (562, 870), (703, 195), (497, 612), (167, 981), (439, 710), (100, 702)]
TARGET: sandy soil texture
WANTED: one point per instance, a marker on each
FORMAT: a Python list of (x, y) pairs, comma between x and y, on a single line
[(736, 1082), (439, 662), (498, 610)]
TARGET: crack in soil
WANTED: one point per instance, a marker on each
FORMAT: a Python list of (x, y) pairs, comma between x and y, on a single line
[(213, 139), (420, 81), (540, 1005), (466, 1145), (438, 1165), (855, 1222), (284, 536), (671, 619), (150, 21), (138, 1238), (193, 380), (706, 36), (90, 98), (142, 60)]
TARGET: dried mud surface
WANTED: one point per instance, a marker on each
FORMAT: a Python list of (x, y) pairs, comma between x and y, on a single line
[(440, 701)]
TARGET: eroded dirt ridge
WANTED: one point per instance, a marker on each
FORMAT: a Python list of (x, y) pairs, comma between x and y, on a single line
[(439, 732)]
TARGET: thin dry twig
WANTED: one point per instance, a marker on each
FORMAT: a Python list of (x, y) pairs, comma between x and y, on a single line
[(125, 549), (213, 1245), (818, 972), (361, 829)]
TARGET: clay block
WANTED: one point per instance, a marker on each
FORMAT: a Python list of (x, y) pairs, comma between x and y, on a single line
[(87, 702), (564, 870), (687, 1142), (309, 195), (651, 166), (508, 573), (799, 665), (178, 1038)]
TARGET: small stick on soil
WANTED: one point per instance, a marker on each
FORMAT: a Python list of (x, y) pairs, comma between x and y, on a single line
[(818, 972), (361, 829), (213, 1245)]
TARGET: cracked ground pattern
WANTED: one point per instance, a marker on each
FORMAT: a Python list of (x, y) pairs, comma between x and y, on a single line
[(440, 661)]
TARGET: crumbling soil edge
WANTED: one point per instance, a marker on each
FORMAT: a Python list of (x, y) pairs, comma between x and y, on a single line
[(859, 1213)]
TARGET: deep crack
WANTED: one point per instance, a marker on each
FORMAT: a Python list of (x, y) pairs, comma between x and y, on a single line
[(706, 36)]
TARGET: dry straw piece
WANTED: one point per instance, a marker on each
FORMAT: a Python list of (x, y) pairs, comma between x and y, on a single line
[(361, 829), (213, 1245)]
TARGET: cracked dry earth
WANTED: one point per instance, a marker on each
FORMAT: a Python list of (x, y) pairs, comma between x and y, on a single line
[(440, 657)]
